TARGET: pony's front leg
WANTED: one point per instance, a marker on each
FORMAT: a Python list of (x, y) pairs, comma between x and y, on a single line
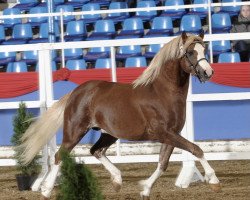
[(49, 182), (165, 153), (184, 144)]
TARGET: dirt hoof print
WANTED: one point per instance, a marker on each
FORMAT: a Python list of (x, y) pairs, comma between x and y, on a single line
[(145, 198), (44, 198), (216, 187), (116, 186)]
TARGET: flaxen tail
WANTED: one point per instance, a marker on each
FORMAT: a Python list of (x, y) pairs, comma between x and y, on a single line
[(42, 130)]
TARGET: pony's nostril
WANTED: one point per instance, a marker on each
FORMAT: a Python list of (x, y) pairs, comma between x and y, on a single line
[(205, 74)]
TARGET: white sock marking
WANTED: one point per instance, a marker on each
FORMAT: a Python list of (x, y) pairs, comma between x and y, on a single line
[(147, 184), (115, 173), (209, 172), (49, 182)]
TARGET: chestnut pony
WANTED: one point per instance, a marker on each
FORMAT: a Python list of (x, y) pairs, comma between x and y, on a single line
[(151, 108)]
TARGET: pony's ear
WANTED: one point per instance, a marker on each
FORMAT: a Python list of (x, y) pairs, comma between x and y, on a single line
[(201, 35), (184, 37)]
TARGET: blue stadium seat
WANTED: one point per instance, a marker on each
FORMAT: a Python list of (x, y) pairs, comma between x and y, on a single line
[(174, 13), (71, 54), (75, 31), (102, 3), (97, 52), (161, 27), (157, 2), (132, 28), (229, 57), (104, 30), (146, 15), (25, 5), (56, 3), (128, 51), (117, 17), (231, 10), (43, 35), (103, 63), (29, 57), (136, 62), (20, 35), (53, 66), (2, 34), (17, 67), (76, 3), (191, 24), (152, 50), (201, 11), (7, 57), (36, 21), (78, 64), (65, 8), (221, 23), (91, 18), (10, 22), (221, 46)]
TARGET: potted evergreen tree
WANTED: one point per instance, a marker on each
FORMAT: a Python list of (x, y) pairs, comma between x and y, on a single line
[(28, 173), (77, 181)]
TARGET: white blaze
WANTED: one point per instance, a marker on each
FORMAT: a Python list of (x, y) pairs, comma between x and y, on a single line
[(203, 63)]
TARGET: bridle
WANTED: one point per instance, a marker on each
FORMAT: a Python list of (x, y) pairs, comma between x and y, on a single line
[(187, 56)]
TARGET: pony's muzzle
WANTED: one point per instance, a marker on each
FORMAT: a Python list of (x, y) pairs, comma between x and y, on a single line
[(204, 75), (208, 76)]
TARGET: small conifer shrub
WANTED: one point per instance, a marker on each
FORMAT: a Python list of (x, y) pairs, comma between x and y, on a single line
[(77, 181), (21, 123)]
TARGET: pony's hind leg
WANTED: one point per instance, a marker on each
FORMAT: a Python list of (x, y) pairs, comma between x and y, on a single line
[(70, 140), (165, 153), (98, 150)]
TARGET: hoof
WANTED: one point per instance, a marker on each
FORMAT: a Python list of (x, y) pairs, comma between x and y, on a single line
[(116, 186), (216, 187), (44, 198), (145, 197)]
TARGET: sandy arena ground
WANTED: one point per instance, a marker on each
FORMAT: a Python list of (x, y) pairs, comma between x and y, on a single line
[(234, 176)]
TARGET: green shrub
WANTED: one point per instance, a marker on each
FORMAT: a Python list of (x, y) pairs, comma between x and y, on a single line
[(21, 122), (77, 181)]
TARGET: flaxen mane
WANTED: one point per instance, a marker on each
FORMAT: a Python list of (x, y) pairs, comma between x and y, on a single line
[(172, 50)]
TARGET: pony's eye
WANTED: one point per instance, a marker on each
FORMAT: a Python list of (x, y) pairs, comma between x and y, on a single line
[(191, 53)]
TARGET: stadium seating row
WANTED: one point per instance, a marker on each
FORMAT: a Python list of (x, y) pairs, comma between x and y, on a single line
[(105, 29), (26, 5), (102, 63), (117, 17), (79, 64), (123, 52)]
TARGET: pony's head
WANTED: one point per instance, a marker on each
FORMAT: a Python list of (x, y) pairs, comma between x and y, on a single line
[(193, 57)]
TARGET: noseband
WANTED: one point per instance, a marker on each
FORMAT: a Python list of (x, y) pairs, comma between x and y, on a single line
[(194, 66)]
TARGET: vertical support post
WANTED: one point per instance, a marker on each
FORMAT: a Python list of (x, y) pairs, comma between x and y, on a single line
[(113, 64), (114, 79), (51, 21), (49, 100), (189, 172), (62, 38), (210, 31), (43, 56)]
